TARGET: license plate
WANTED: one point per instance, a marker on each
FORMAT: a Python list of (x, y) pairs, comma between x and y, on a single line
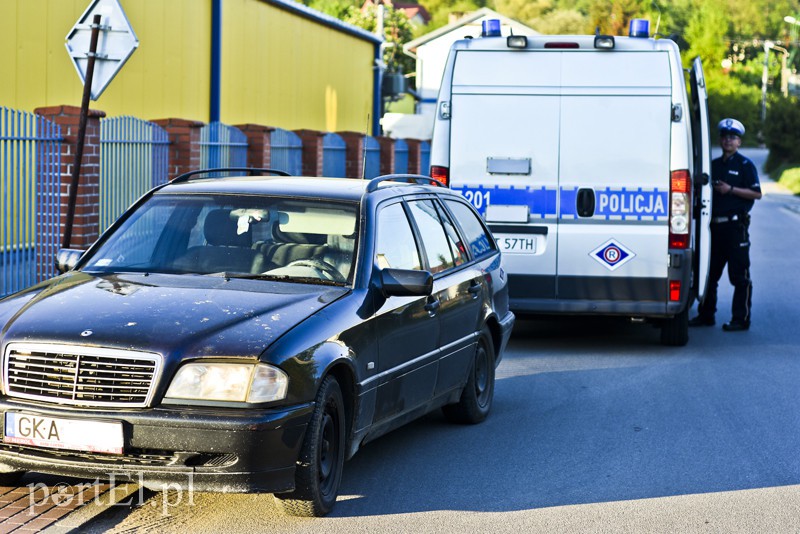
[(58, 433), (516, 243)]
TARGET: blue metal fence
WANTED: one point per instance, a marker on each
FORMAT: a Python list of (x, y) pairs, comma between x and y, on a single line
[(372, 150), (222, 146), (30, 199), (400, 156), (133, 159), (334, 151), (286, 151), (425, 158)]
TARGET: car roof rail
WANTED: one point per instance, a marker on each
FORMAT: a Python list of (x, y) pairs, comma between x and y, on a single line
[(408, 178), (252, 171)]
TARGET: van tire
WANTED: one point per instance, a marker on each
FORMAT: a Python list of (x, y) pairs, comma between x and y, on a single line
[(675, 331)]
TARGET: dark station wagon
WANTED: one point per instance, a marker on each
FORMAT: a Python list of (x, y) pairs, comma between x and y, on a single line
[(250, 333)]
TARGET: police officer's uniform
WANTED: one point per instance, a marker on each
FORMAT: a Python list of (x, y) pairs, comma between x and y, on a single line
[(730, 238)]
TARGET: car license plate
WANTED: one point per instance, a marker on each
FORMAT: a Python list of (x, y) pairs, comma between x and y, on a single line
[(58, 433), (517, 243)]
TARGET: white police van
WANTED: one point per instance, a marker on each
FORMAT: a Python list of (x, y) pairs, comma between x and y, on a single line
[(590, 162)]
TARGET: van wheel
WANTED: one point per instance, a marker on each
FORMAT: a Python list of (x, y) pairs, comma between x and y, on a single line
[(319, 467), (476, 398), (675, 331)]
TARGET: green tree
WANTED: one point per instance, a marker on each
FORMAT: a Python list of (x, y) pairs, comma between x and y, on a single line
[(396, 30), (440, 11), (334, 8), (707, 33)]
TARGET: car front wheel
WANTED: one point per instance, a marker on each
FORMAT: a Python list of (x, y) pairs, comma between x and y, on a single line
[(476, 398), (319, 467)]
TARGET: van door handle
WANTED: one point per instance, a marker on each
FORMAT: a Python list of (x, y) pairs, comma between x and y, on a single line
[(585, 202)]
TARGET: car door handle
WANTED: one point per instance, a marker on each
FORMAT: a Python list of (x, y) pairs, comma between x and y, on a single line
[(474, 289), (432, 306)]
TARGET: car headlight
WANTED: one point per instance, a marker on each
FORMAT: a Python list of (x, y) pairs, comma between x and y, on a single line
[(235, 382)]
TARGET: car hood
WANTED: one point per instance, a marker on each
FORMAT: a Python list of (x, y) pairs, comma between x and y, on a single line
[(170, 314)]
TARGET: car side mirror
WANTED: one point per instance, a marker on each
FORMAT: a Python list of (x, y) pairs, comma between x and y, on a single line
[(67, 259), (406, 283)]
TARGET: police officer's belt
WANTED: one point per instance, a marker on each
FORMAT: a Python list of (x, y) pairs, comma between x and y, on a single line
[(727, 218)]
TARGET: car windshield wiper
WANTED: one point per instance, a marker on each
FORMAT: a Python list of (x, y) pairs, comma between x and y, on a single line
[(279, 277)]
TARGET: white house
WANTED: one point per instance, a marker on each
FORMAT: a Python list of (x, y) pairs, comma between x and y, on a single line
[(430, 52)]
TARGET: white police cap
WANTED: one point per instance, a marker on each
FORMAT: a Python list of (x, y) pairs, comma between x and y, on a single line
[(731, 126)]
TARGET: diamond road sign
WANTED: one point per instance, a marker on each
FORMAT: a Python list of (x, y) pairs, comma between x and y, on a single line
[(115, 43)]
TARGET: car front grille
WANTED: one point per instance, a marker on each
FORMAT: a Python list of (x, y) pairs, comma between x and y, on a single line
[(85, 376)]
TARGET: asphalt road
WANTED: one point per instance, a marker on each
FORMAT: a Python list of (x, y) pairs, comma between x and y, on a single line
[(595, 427)]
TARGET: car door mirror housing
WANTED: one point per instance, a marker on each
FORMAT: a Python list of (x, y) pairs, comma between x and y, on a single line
[(67, 259), (406, 283)]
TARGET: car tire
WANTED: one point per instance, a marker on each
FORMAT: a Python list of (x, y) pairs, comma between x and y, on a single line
[(476, 398), (11, 478), (319, 467), (675, 331)]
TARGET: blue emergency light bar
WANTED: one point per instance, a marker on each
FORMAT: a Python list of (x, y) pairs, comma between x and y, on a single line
[(490, 28), (639, 28)]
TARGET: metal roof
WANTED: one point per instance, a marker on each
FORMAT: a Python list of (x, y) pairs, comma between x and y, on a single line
[(325, 19)]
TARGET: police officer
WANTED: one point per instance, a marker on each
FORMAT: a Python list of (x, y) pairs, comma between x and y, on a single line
[(736, 188)]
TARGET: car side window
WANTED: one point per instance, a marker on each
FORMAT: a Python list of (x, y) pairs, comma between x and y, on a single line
[(480, 243), (453, 239), (395, 246), (434, 238)]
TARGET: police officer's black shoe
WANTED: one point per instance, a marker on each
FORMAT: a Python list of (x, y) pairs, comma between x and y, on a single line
[(702, 321), (736, 326)]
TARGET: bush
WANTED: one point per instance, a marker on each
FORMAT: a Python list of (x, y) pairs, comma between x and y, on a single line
[(729, 97), (790, 178), (782, 132)]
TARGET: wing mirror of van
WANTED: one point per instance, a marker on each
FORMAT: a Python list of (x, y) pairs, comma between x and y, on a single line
[(406, 283), (67, 259)]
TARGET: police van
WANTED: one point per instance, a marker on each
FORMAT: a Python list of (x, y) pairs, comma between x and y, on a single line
[(589, 158)]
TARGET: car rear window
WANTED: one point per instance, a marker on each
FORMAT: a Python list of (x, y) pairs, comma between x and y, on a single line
[(478, 238)]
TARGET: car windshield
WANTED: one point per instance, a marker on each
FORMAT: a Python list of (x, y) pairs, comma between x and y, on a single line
[(293, 239)]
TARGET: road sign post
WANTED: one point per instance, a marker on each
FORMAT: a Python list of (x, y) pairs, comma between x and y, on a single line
[(76, 168), (111, 33)]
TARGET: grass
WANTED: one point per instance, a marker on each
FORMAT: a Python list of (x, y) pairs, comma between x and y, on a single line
[(789, 177)]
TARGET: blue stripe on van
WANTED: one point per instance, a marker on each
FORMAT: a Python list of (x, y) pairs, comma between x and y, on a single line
[(617, 203), (541, 201), (635, 204)]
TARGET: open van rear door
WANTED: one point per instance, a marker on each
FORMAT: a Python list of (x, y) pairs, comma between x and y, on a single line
[(701, 141)]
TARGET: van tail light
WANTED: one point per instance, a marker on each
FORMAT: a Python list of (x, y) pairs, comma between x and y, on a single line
[(441, 174), (674, 290), (680, 209)]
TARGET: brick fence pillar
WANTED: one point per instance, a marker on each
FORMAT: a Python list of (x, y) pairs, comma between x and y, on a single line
[(387, 154), (312, 151), (414, 156), (86, 224), (184, 145), (259, 153), (354, 154)]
